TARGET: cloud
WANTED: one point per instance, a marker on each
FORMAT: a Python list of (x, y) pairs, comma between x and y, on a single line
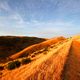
[(18, 26), (17, 17), (46, 28), (46, 18), (4, 6), (14, 20), (55, 28), (13, 16)]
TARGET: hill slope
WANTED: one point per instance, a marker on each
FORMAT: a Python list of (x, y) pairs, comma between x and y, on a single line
[(37, 47), (11, 44), (48, 67), (60, 63)]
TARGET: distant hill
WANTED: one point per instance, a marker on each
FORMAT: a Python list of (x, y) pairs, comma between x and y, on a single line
[(13, 44), (33, 48)]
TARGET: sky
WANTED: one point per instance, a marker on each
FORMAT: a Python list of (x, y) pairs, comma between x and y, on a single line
[(40, 18)]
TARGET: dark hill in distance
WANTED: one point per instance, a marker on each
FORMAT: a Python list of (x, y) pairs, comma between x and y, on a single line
[(11, 44), (37, 47)]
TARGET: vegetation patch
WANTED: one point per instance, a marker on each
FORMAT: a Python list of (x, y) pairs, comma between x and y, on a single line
[(17, 63), (1, 67), (25, 60), (13, 64)]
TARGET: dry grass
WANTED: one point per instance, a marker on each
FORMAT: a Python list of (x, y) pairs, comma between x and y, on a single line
[(62, 62), (46, 67), (36, 47), (10, 45), (72, 67)]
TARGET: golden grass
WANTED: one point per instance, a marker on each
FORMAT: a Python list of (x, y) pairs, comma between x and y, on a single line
[(46, 67), (36, 47), (62, 62), (10, 45), (72, 66)]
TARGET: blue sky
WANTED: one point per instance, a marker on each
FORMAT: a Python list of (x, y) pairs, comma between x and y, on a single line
[(42, 18)]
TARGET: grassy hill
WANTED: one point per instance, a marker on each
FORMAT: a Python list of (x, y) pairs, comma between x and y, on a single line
[(36, 47), (43, 63), (12, 44), (54, 59)]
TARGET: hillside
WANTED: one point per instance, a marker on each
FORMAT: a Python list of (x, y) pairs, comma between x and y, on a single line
[(60, 61), (43, 65), (11, 44), (43, 45)]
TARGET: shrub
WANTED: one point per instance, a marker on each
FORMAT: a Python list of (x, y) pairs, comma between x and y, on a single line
[(26, 60), (17, 63), (11, 65), (1, 67)]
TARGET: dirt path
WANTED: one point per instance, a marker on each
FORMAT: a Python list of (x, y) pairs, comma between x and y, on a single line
[(48, 67), (72, 67)]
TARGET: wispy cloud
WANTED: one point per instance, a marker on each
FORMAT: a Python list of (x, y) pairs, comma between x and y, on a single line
[(39, 17), (4, 6), (17, 17)]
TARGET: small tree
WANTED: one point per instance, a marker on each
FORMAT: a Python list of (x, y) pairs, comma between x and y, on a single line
[(17, 63), (11, 65), (26, 60)]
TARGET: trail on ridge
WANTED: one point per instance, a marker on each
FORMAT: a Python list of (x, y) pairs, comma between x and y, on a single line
[(72, 66)]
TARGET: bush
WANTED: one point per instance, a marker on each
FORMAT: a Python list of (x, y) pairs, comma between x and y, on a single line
[(1, 67), (26, 60), (17, 63), (13, 65)]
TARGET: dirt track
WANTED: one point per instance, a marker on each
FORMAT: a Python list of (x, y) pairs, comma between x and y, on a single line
[(48, 67), (72, 66)]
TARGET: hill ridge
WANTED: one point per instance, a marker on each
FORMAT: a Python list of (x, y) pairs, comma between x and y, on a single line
[(33, 71), (39, 46)]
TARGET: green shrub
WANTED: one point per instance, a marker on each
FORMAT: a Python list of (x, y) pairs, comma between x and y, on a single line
[(11, 65), (26, 60), (17, 63)]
